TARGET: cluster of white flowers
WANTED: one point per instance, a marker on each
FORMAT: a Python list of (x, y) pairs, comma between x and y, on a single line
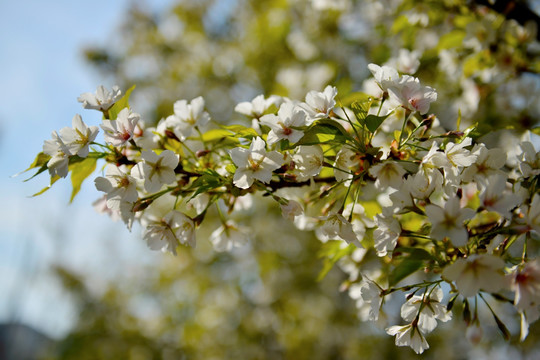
[(391, 189)]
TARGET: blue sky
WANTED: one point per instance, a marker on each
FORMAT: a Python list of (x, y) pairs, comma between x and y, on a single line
[(43, 72)]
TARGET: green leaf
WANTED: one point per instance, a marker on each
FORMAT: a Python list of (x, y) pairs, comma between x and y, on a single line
[(53, 180), (205, 182), (241, 131), (40, 162), (373, 122), (120, 104), (536, 130), (360, 109), (415, 253), (404, 269), (218, 135), (324, 132), (79, 172)]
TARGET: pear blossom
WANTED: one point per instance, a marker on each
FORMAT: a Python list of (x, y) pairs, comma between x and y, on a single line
[(229, 236), (118, 185), (156, 170), (319, 105), (59, 152), (308, 161), (335, 226), (258, 106), (448, 221), (254, 163), (385, 76), (477, 272), (409, 335), (387, 174), (118, 132), (285, 124), (186, 117), (167, 232), (410, 94), (291, 209), (430, 309), (386, 234), (78, 138), (101, 100)]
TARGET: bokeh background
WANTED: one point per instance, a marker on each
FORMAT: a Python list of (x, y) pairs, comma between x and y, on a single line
[(76, 285)]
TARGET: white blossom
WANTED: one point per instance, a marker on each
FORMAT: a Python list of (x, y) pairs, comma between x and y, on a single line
[(447, 222), (156, 170), (254, 163), (118, 132), (386, 234), (409, 335), (429, 307), (346, 163), (291, 209), (308, 161), (167, 232), (526, 285), (319, 105), (335, 226), (475, 273), (285, 124), (118, 185), (497, 197), (410, 94), (387, 174), (385, 76), (488, 163), (186, 117), (531, 214), (530, 160), (368, 296), (79, 136), (59, 152), (258, 106), (101, 100)]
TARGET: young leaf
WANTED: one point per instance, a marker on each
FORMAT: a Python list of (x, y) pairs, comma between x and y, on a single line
[(404, 269), (321, 133), (79, 172), (373, 122), (120, 104), (53, 180), (241, 131)]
